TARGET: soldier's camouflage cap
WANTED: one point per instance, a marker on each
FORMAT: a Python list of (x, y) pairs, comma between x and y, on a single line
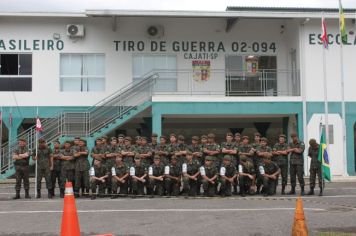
[(163, 136), (204, 137), (282, 136), (230, 134), (211, 135), (121, 136), (144, 137), (104, 137), (312, 142), (98, 139), (257, 134), (228, 157), (245, 137), (138, 137), (128, 138), (264, 139), (293, 135), (157, 157), (154, 135), (196, 138), (237, 134), (209, 158), (181, 138), (113, 138), (174, 157), (174, 135)]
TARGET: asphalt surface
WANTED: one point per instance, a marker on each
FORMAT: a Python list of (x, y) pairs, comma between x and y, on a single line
[(253, 215)]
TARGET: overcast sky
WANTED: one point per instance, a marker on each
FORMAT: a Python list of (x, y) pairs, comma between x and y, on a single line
[(205, 5)]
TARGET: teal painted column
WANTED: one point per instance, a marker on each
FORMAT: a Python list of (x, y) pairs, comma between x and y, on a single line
[(285, 121), (300, 126), (13, 128), (156, 121), (350, 153)]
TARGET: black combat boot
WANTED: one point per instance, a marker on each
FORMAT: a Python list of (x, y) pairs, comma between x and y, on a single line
[(17, 196), (321, 192), (52, 192), (292, 191), (302, 191), (38, 193), (93, 196), (61, 193), (283, 190), (311, 191), (258, 190), (49, 193), (27, 194), (114, 194)]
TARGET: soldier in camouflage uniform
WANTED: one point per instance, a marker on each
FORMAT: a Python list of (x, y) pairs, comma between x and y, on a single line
[(81, 169), (128, 152), (237, 139), (120, 177), (209, 175), (228, 176), (156, 177), (44, 166), (315, 167), (245, 149), (172, 178), (163, 150), (111, 152), (269, 172), (153, 144), (255, 145), (68, 165), (212, 149), (56, 172), (173, 143), (144, 151), (280, 156), (120, 141), (98, 177), (138, 176), (262, 151), (229, 148), (190, 172), (98, 151), (21, 157), (196, 149), (247, 176), (181, 150), (296, 149)]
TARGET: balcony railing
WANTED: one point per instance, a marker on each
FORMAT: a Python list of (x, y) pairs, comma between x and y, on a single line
[(228, 83)]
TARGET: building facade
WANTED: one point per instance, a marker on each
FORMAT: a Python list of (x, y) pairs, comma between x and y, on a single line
[(136, 72)]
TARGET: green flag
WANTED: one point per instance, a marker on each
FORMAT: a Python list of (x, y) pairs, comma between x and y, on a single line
[(342, 24), (323, 157)]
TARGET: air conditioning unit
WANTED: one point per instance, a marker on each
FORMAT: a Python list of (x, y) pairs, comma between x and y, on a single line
[(155, 31), (75, 31)]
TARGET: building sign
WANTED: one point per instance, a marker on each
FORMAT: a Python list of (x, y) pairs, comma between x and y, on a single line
[(332, 38), (31, 45), (201, 70)]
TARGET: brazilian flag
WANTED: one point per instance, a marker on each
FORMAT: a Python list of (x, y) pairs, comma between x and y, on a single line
[(342, 24), (323, 157)]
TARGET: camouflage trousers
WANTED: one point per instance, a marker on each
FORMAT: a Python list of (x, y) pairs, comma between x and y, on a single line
[(172, 186), (44, 173), (94, 184), (315, 171), (155, 187), (296, 171), (56, 175), (116, 184), (66, 175), (190, 186), (22, 173), (81, 179)]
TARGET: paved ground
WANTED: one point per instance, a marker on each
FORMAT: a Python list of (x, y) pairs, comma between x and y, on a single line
[(254, 215)]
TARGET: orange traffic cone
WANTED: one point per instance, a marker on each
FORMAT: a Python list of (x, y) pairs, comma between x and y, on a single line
[(299, 226), (70, 223)]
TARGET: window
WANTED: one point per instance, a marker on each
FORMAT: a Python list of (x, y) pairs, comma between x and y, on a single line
[(16, 72), (143, 64), (82, 72)]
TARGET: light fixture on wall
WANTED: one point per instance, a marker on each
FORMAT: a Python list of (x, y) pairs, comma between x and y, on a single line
[(306, 20), (282, 29), (56, 36)]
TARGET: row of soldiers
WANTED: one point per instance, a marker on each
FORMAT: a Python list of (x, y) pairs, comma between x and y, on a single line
[(122, 167)]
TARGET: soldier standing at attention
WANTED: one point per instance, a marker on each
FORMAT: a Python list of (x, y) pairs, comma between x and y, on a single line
[(245, 149), (119, 177), (181, 150), (153, 144), (280, 157), (21, 157), (262, 151), (255, 145), (163, 150), (190, 171), (315, 167), (209, 174), (296, 149), (212, 149), (269, 172), (98, 151), (128, 152), (138, 174), (68, 166), (98, 176), (229, 148), (81, 169), (172, 177), (56, 172), (120, 141), (227, 176), (156, 177), (247, 176), (44, 166), (195, 149), (203, 143)]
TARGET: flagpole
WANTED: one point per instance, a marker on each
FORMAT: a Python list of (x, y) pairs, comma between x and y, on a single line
[(36, 143), (321, 164), (1, 113), (343, 116), (326, 107), (10, 134)]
